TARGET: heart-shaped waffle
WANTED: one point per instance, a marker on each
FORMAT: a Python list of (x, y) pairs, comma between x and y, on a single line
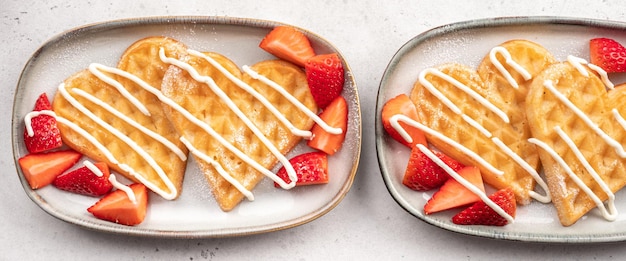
[(570, 113), (469, 115), (101, 118), (223, 143)]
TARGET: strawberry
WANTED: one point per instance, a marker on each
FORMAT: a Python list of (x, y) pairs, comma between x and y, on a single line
[(401, 104), (335, 115), (117, 207), (46, 133), (452, 194), (423, 174), (311, 168), (608, 54), (84, 181), (481, 214), (288, 44), (324, 73), (40, 169)]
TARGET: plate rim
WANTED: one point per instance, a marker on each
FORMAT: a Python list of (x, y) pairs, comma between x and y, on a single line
[(94, 28), (493, 22)]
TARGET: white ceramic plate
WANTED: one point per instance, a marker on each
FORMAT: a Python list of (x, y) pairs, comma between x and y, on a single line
[(195, 213), (467, 43)]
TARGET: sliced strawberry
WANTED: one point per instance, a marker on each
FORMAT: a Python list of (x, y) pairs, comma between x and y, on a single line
[(608, 54), (117, 207), (402, 104), (453, 194), (46, 133), (481, 214), (324, 74), (311, 168), (40, 169), (288, 44), (335, 115), (84, 181), (423, 174)]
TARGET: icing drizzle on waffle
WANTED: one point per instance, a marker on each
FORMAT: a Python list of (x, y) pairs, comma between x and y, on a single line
[(98, 69)]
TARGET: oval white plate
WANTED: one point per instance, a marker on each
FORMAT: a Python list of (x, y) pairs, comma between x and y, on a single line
[(468, 42), (195, 213)]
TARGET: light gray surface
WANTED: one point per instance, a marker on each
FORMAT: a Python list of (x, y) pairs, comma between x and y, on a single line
[(367, 224)]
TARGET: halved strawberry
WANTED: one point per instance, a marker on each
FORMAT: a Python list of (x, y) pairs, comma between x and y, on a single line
[(481, 214), (46, 135), (40, 169), (335, 115), (311, 168), (324, 74), (117, 207), (608, 54), (84, 181), (402, 104), (423, 174), (453, 194), (289, 44)]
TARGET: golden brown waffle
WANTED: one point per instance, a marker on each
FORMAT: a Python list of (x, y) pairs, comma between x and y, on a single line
[(545, 112), (510, 97), (203, 103), (437, 116), (142, 60)]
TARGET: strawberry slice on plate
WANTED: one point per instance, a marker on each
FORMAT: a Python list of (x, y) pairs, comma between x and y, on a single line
[(335, 115), (118, 208), (608, 54), (289, 44), (311, 168), (481, 214), (402, 104), (84, 181), (46, 135), (423, 174), (40, 169), (324, 74), (453, 194)]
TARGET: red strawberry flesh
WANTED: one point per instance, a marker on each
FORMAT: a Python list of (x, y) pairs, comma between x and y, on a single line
[(608, 54), (325, 76), (402, 104), (423, 174), (118, 208), (40, 169), (46, 135), (311, 168), (335, 115), (84, 181), (288, 44), (482, 214)]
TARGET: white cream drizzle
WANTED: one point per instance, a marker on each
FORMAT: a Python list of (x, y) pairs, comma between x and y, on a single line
[(219, 169), (532, 171), (220, 93), (146, 156), (610, 214), (246, 87), (93, 168), (507, 56), (432, 89), (395, 119), (466, 183), (293, 100), (578, 62), (129, 192), (610, 141), (95, 68), (101, 148), (483, 130), (181, 155)]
